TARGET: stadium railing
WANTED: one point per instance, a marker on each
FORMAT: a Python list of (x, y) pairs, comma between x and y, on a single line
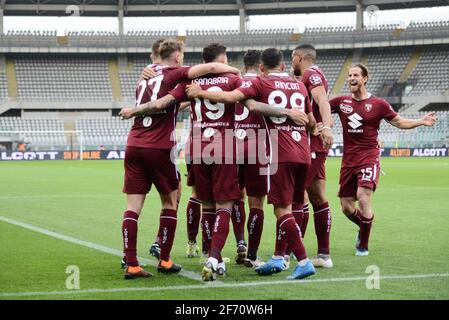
[(278, 37)]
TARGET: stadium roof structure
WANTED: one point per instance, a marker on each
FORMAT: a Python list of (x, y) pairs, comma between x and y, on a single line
[(142, 8)]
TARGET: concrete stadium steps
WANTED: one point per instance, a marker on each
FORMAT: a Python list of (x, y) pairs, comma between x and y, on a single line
[(11, 77), (340, 82), (431, 74), (114, 77), (70, 136), (411, 65)]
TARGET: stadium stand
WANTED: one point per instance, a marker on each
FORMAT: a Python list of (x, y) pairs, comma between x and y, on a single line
[(431, 75), (152, 33), (392, 137), (428, 24), (111, 133), (128, 77), (70, 77), (331, 63), (103, 132), (63, 77), (385, 66), (37, 134), (3, 87)]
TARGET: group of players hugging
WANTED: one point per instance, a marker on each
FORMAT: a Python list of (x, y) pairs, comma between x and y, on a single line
[(263, 134)]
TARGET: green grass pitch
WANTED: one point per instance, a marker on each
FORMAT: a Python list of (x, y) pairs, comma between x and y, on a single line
[(83, 200)]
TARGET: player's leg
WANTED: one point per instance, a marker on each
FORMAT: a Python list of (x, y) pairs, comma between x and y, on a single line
[(304, 267), (322, 221), (348, 194), (155, 248), (238, 218), (282, 183), (225, 188), (367, 180), (202, 175), (255, 228), (136, 186), (288, 186), (193, 213), (348, 206), (219, 235), (364, 196), (207, 224), (167, 229), (256, 182), (163, 173), (129, 232)]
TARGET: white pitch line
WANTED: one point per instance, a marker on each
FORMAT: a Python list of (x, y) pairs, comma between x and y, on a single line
[(222, 285), (185, 273)]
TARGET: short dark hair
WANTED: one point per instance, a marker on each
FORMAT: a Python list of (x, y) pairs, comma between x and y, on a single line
[(308, 50), (272, 57), (305, 46), (155, 47), (362, 67), (168, 47), (252, 58), (212, 51)]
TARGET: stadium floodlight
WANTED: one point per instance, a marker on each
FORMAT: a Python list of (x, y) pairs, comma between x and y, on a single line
[(372, 10), (71, 141)]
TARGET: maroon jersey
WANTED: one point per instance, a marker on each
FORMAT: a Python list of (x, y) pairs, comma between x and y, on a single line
[(210, 121), (155, 131), (278, 89), (248, 126), (312, 78), (360, 121)]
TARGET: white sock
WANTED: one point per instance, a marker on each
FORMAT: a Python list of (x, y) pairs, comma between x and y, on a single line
[(214, 262)]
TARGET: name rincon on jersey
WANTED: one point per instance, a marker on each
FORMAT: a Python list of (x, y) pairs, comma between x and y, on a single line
[(286, 85)]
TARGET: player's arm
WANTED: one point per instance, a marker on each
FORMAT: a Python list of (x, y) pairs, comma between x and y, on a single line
[(184, 105), (267, 110), (147, 108), (404, 123), (147, 73), (312, 125), (212, 67), (195, 91), (320, 97)]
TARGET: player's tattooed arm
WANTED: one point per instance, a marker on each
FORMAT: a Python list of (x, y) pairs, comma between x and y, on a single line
[(212, 67), (298, 116), (404, 123), (147, 108)]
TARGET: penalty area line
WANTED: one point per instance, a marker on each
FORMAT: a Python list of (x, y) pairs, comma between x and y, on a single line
[(185, 273), (220, 285)]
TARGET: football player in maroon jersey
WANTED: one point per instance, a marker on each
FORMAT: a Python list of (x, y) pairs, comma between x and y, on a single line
[(148, 159), (287, 184), (248, 126), (360, 114), (303, 64), (213, 114)]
